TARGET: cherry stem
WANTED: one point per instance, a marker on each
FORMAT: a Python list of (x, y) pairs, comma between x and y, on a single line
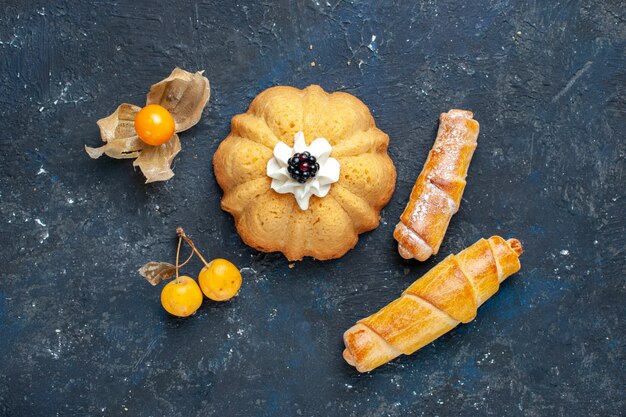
[(177, 254), (187, 260), (181, 233)]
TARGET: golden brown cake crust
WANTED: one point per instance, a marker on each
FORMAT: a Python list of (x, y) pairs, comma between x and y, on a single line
[(268, 221)]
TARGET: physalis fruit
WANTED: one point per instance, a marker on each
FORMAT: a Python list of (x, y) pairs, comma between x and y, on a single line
[(149, 135), (154, 125)]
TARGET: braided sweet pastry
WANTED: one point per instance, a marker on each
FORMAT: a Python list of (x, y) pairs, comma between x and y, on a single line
[(447, 295), (437, 193)]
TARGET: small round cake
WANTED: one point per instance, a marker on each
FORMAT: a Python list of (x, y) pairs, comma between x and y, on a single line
[(304, 172)]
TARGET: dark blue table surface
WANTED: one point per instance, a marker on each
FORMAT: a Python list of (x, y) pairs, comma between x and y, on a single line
[(82, 334)]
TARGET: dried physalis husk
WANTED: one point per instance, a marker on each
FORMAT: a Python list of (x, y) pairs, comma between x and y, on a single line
[(118, 133), (155, 272), (155, 161), (184, 95)]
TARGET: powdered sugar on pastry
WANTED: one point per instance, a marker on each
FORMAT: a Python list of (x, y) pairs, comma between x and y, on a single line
[(437, 193), (415, 244)]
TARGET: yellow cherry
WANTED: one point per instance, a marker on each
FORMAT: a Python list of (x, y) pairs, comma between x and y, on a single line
[(181, 297), (220, 280)]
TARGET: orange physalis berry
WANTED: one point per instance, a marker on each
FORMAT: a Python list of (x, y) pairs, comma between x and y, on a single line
[(154, 125)]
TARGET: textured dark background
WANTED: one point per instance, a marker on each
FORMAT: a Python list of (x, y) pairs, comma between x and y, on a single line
[(82, 334)]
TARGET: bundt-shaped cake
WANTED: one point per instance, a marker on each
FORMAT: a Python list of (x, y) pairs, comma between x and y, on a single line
[(304, 172)]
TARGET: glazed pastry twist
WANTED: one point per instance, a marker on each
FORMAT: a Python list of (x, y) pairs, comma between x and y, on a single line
[(447, 295), (437, 193)]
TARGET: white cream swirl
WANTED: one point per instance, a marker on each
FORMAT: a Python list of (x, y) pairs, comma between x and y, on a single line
[(283, 183)]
